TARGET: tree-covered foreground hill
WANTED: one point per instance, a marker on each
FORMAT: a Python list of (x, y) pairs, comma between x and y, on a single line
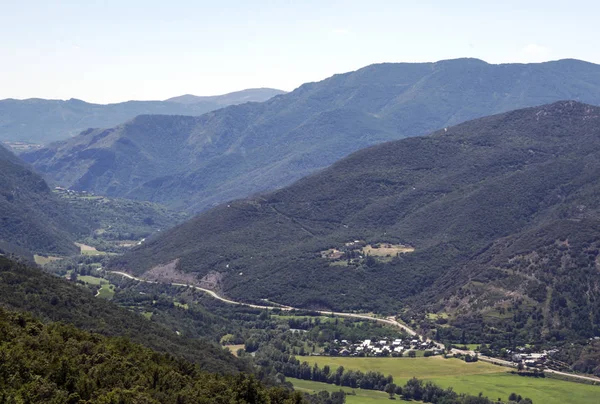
[(54, 299), (58, 363), (512, 198), (195, 162)]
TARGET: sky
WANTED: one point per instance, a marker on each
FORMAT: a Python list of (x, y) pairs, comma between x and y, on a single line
[(111, 51)]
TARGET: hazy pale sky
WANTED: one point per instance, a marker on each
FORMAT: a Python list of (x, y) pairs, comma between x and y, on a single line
[(110, 51)]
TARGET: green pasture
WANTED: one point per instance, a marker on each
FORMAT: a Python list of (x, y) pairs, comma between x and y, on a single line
[(471, 378)]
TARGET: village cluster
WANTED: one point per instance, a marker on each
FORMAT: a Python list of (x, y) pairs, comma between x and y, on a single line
[(383, 347), (532, 359)]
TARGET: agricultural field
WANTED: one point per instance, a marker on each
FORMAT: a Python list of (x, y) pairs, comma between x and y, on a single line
[(383, 250), (360, 397), (92, 280), (88, 250), (472, 378), (106, 291), (43, 260)]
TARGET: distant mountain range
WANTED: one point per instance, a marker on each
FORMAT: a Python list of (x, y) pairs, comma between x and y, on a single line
[(44, 121), (237, 97), (503, 214), (196, 162)]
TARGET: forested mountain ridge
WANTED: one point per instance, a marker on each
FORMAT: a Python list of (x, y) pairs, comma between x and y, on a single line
[(460, 197), (31, 217), (36, 220), (194, 163), (44, 121)]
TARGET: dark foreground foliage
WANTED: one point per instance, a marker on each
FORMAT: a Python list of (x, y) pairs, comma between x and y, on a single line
[(57, 363), (53, 299)]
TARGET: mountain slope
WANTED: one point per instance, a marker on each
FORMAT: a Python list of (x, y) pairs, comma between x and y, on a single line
[(54, 299), (460, 197), (197, 162), (31, 217), (44, 121)]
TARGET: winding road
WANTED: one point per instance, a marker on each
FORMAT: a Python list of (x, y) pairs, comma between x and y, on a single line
[(389, 320)]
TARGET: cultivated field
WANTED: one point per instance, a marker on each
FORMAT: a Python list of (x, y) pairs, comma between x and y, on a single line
[(42, 260), (106, 291), (361, 397), (88, 250), (387, 249), (493, 381)]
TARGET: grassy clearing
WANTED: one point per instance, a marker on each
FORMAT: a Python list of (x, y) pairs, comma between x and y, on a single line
[(435, 316), (493, 381), (147, 315), (234, 348), (88, 249), (92, 280), (387, 249), (362, 396), (42, 260), (107, 291)]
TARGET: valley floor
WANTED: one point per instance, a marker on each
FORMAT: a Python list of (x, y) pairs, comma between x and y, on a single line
[(472, 378)]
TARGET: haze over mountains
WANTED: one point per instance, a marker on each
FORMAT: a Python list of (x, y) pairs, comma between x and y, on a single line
[(487, 205), (196, 162), (44, 121)]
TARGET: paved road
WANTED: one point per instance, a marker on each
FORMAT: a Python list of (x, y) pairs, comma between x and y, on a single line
[(389, 321)]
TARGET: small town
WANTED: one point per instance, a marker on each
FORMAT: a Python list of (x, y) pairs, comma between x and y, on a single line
[(383, 347)]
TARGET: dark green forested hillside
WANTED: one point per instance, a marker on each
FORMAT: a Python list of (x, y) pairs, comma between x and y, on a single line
[(35, 219), (44, 121), (58, 363), (31, 218), (194, 163), (475, 201), (54, 299)]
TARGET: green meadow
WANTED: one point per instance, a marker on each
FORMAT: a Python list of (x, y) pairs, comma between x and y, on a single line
[(471, 378), (106, 291), (360, 396)]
